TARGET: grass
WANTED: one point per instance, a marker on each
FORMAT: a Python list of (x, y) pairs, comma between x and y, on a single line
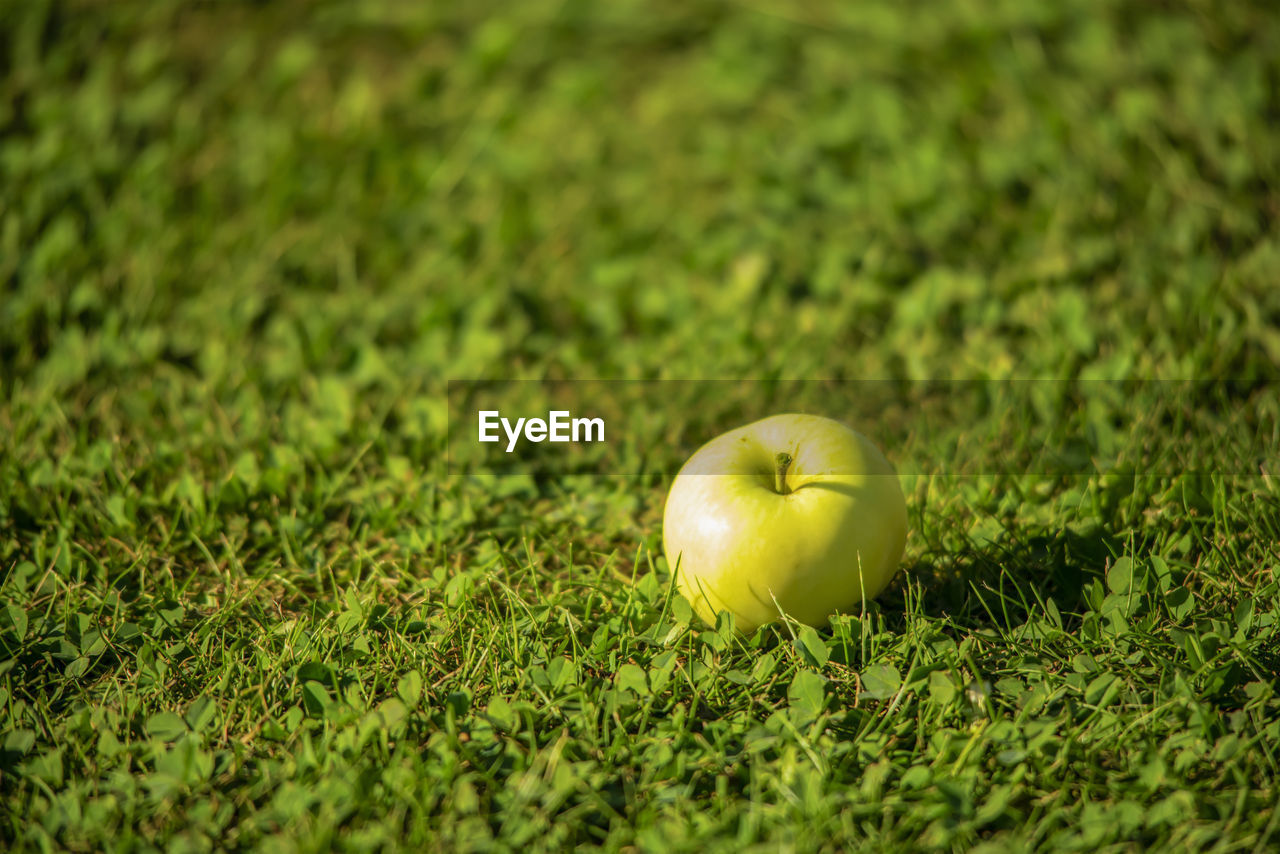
[(246, 602)]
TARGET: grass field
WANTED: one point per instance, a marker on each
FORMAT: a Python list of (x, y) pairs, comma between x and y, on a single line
[(245, 602)]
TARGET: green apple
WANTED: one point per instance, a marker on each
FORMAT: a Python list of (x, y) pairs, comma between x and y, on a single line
[(793, 513)]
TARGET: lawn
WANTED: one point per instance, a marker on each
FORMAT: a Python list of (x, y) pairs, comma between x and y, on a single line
[(251, 597)]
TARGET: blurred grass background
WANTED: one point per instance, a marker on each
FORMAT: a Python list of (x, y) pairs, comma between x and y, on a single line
[(243, 246)]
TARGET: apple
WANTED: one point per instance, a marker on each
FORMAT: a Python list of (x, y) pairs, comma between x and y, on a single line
[(793, 513)]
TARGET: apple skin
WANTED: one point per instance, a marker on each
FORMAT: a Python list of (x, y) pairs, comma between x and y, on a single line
[(828, 545)]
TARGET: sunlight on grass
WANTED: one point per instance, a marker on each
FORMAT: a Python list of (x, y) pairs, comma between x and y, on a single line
[(245, 603)]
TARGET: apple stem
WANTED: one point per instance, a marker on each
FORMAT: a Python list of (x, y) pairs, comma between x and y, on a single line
[(780, 474)]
